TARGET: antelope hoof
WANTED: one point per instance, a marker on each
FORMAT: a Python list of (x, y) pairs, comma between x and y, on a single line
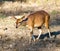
[(34, 39), (37, 38)]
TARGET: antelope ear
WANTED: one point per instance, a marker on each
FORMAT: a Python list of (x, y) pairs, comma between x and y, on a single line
[(23, 16)]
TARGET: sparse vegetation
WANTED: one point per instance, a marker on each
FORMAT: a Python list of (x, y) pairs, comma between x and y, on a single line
[(12, 39), (54, 12), (2, 16)]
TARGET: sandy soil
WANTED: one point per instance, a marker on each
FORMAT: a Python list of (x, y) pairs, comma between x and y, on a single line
[(12, 39)]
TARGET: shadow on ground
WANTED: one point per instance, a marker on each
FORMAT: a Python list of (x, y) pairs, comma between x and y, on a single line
[(50, 44), (47, 35)]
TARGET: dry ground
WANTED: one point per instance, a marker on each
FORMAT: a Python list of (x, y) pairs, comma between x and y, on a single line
[(12, 39)]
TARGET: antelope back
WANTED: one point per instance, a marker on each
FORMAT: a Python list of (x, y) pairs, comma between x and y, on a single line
[(38, 19)]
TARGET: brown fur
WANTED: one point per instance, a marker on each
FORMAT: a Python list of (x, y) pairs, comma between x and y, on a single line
[(36, 19)]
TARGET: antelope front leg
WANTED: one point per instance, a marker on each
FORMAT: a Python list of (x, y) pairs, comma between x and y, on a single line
[(31, 36)]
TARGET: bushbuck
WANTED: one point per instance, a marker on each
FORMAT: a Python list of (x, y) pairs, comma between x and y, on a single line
[(36, 19)]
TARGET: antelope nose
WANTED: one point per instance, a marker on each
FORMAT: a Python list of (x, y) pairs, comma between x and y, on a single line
[(16, 27)]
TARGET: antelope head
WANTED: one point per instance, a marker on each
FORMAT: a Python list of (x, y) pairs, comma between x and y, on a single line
[(19, 20)]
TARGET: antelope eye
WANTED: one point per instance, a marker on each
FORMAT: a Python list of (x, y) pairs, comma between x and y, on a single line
[(20, 22)]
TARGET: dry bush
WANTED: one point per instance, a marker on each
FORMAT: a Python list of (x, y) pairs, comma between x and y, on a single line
[(10, 8)]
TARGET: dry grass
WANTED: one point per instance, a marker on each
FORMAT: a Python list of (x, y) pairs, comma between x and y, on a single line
[(16, 8)]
